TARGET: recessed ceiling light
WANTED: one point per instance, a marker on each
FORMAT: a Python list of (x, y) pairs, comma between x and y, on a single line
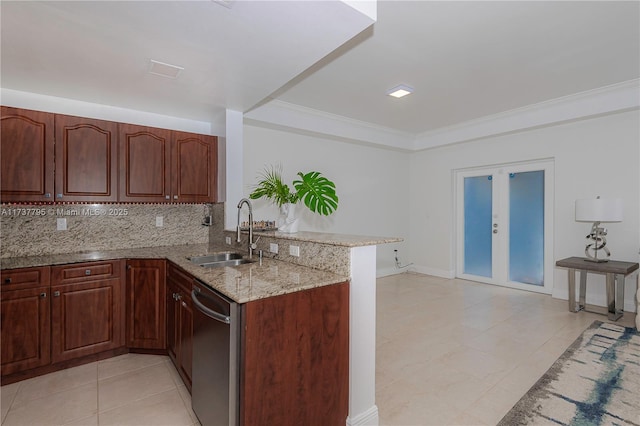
[(164, 70), (400, 91)]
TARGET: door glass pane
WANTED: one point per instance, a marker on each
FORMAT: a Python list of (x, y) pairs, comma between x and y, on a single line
[(477, 226), (526, 227)]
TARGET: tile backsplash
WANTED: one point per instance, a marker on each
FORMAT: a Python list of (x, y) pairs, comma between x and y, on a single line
[(31, 230)]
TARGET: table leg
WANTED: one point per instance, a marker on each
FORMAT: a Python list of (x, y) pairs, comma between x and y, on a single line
[(612, 283), (638, 301), (572, 290), (583, 290)]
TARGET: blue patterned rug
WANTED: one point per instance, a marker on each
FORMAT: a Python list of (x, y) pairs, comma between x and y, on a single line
[(595, 382)]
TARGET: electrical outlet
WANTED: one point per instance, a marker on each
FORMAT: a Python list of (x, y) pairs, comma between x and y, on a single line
[(273, 248), (159, 221), (61, 224), (227, 240), (294, 251)]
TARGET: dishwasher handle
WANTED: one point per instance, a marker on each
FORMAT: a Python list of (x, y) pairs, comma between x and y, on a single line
[(209, 312)]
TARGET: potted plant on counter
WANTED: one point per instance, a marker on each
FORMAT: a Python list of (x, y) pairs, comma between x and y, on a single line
[(316, 192)]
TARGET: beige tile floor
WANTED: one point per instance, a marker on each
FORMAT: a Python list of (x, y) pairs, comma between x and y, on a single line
[(453, 352), (131, 389), (449, 352)]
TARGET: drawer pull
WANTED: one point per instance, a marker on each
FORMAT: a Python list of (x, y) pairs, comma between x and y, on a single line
[(43, 295), (7, 280), (87, 272), (56, 294)]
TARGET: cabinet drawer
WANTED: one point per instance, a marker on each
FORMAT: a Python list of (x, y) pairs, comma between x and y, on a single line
[(180, 277), (24, 278), (89, 271)]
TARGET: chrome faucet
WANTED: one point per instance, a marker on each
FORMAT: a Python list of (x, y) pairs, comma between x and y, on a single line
[(252, 244)]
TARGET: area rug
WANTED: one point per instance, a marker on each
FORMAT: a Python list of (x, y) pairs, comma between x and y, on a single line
[(595, 382)]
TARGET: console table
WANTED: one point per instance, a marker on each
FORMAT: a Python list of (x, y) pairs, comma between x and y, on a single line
[(615, 272)]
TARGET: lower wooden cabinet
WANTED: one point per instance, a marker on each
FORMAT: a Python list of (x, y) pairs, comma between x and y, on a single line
[(145, 306), (86, 309), (295, 358), (180, 321), (25, 323)]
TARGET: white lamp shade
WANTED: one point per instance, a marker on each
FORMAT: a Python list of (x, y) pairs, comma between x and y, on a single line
[(599, 210)]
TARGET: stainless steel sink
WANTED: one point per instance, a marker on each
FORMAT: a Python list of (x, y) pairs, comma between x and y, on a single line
[(215, 257), (223, 263), (219, 260)]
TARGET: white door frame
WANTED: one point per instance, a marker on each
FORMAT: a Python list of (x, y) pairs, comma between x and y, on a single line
[(500, 244)]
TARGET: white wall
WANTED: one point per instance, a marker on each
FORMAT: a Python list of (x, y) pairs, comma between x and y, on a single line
[(598, 156), (372, 184)]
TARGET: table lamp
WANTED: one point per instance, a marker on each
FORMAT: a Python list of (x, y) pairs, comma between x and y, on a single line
[(598, 210)]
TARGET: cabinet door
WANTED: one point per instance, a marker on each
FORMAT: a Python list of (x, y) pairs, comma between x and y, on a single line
[(86, 159), (173, 320), (195, 168), (186, 338), (26, 153), (145, 163), (25, 329), (86, 318), (146, 293)]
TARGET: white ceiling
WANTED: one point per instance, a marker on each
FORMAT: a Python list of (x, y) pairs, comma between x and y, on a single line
[(466, 60)]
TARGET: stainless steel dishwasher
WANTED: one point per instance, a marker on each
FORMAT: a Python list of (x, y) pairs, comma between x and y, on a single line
[(215, 376)]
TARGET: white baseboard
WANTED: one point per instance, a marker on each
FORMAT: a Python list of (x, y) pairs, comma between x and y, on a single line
[(385, 272), (442, 273), (368, 418)]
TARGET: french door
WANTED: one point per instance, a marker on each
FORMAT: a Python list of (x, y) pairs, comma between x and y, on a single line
[(504, 225)]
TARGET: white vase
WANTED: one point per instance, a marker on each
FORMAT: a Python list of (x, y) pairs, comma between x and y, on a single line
[(288, 222)]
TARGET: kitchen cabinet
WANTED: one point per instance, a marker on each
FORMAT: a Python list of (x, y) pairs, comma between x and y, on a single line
[(86, 154), (180, 321), (145, 304), (25, 323), (158, 165), (296, 346), (195, 168), (49, 157), (27, 155), (86, 309), (145, 164)]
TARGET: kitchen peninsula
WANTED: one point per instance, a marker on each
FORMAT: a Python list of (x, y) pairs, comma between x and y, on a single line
[(325, 260)]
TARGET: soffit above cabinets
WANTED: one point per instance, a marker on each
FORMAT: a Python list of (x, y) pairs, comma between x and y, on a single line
[(233, 54)]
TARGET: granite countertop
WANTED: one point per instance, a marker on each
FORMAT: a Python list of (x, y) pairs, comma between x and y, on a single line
[(344, 240), (243, 283)]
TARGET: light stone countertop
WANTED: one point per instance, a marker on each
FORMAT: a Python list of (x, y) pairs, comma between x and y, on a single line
[(344, 240), (243, 283)]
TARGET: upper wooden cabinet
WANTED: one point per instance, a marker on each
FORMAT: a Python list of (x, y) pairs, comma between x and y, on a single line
[(27, 141), (102, 161), (195, 166), (158, 165), (145, 164), (86, 159)]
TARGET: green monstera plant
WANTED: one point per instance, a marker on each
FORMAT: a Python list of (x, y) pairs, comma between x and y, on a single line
[(316, 191)]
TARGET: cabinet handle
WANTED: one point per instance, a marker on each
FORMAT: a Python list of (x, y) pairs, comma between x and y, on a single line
[(56, 294), (175, 197), (184, 304), (47, 195), (166, 197), (7, 280), (58, 195), (128, 266), (178, 297), (43, 295), (87, 272)]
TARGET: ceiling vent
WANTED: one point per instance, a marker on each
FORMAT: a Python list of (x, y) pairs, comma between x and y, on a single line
[(164, 70)]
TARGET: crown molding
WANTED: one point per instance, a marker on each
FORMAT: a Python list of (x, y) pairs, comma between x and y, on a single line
[(611, 99), (285, 115), (618, 97)]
